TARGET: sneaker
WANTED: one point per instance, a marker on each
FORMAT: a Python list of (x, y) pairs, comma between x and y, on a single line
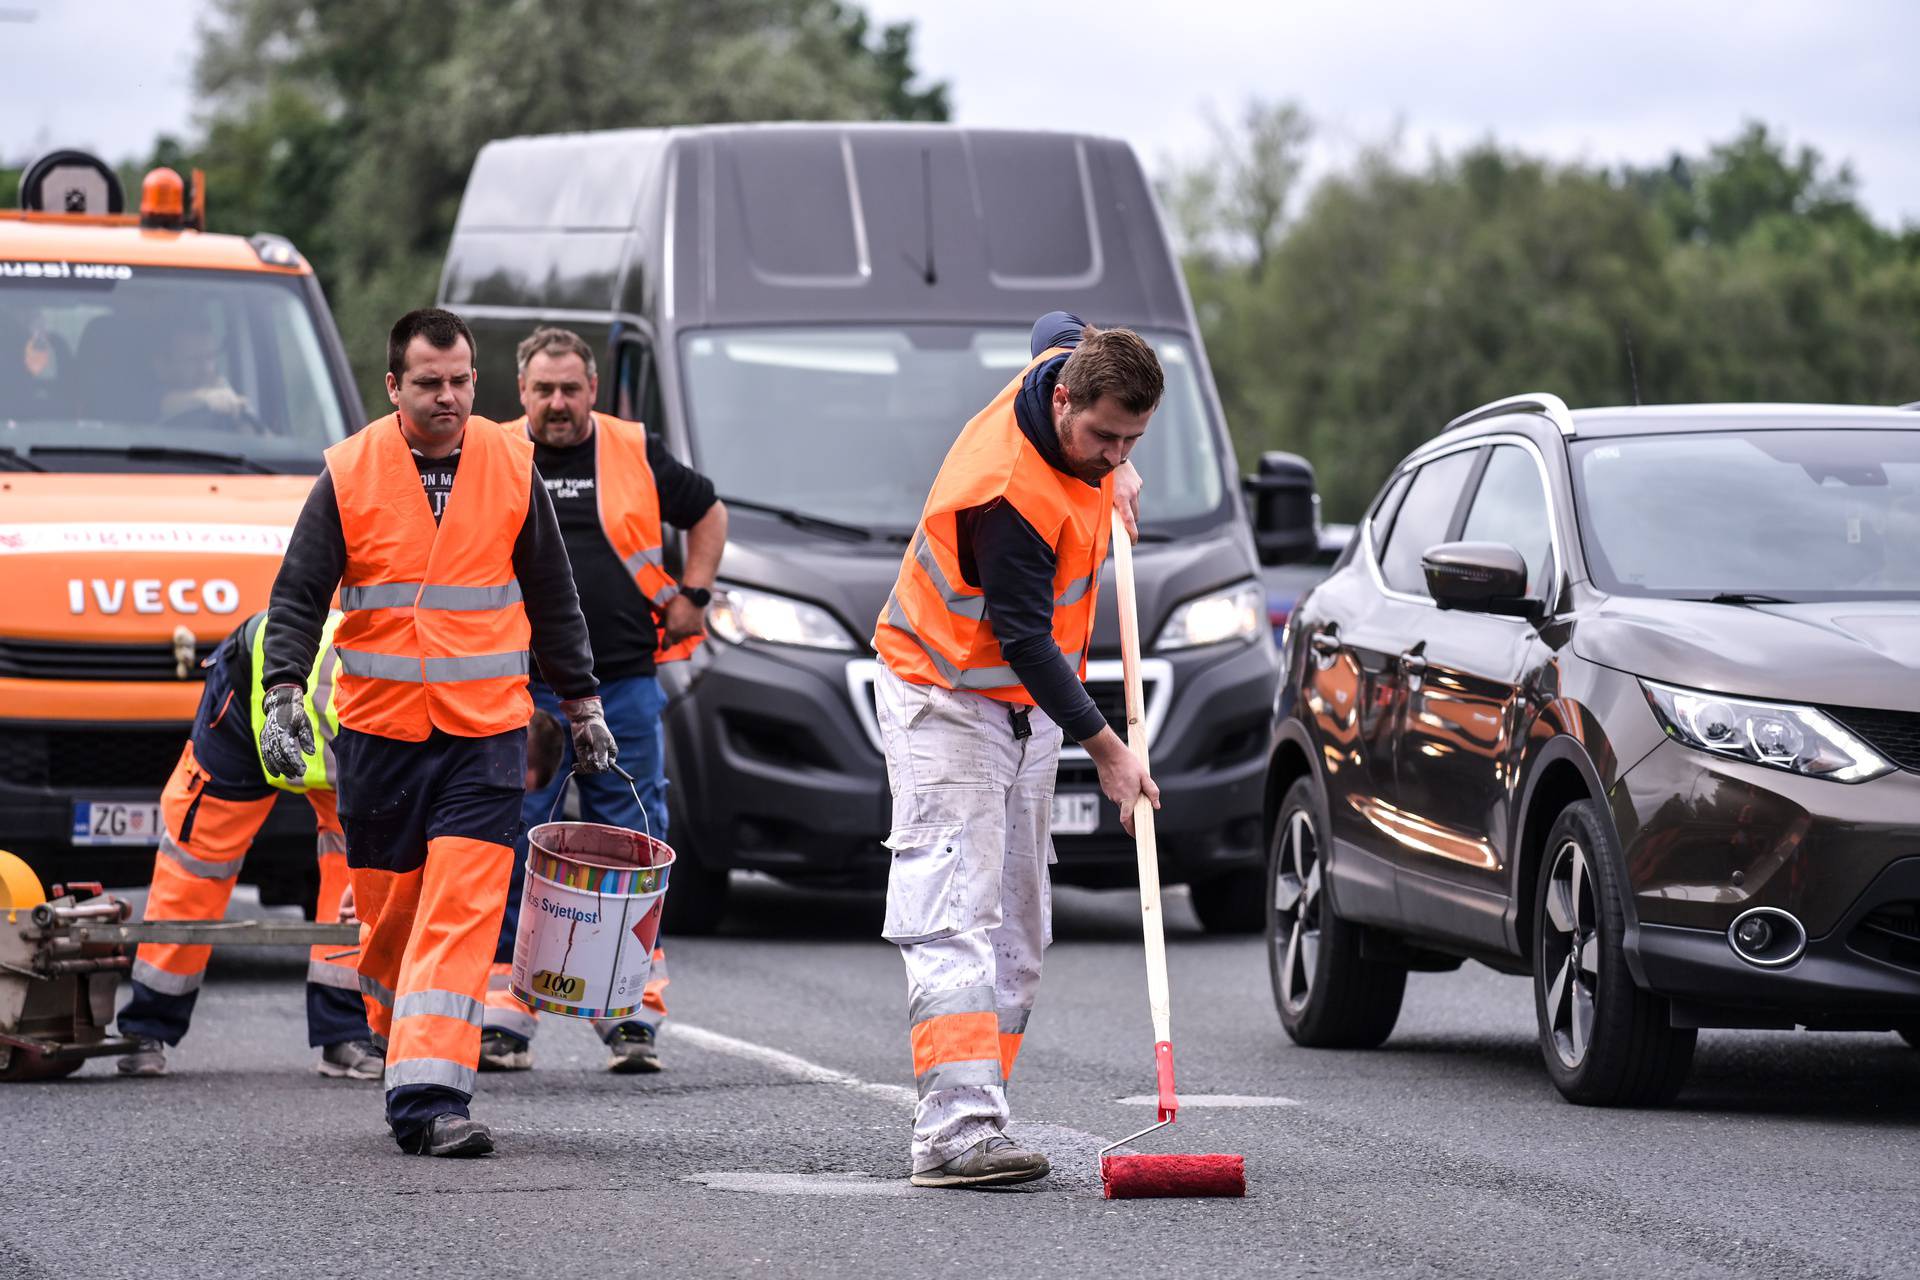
[(149, 1058), (504, 1051), (632, 1051), (450, 1135), (353, 1060), (990, 1162)]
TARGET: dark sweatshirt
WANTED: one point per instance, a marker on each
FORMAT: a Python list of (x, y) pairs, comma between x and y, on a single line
[(316, 560), (1013, 566)]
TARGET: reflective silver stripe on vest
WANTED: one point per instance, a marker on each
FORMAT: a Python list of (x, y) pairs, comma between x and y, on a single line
[(979, 677), (934, 1004), (965, 605), (322, 695), (1076, 592), (380, 666), (373, 987), (645, 556), (380, 595), (470, 599), (974, 1073), (202, 867), (438, 1004), (158, 979), (479, 666), (322, 974), (331, 842), (1013, 1022), (440, 1071), (663, 595)]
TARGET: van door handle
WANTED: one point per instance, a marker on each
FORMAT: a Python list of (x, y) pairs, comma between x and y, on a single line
[(1324, 643), (1411, 663)]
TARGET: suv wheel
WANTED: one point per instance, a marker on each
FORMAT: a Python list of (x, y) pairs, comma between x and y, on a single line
[(1606, 1042), (1329, 996), (1230, 903)]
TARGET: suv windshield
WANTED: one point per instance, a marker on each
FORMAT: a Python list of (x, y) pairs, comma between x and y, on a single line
[(852, 424), (1797, 515), (118, 373)]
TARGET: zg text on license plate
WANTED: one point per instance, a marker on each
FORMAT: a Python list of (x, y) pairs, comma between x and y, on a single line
[(116, 822)]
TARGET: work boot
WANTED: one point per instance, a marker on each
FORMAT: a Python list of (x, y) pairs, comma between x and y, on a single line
[(504, 1051), (352, 1060), (632, 1051), (990, 1162), (149, 1058), (450, 1135)]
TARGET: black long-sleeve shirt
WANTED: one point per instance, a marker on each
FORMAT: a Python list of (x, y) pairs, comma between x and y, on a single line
[(1013, 566), (316, 560)]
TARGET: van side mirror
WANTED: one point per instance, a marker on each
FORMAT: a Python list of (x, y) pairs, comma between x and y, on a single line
[(1286, 508), (1479, 577)]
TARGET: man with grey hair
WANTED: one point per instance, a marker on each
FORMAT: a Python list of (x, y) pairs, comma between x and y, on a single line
[(614, 488)]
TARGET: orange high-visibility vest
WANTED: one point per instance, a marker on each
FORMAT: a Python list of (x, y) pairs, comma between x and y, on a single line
[(934, 628), (434, 635), (629, 507)]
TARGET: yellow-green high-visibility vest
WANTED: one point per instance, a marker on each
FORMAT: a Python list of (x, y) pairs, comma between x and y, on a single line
[(320, 713)]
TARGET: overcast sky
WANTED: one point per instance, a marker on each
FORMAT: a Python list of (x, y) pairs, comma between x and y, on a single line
[(1628, 80)]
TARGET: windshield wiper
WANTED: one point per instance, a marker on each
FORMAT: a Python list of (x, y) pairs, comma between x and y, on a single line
[(11, 459), (162, 453), (1739, 597), (801, 520)]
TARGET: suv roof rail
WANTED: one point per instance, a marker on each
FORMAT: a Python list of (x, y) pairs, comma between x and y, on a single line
[(1544, 403), (1911, 404)]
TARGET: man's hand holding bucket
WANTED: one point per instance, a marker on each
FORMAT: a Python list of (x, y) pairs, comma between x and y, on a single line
[(594, 749)]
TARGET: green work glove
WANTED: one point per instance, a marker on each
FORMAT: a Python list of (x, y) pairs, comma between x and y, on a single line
[(286, 739)]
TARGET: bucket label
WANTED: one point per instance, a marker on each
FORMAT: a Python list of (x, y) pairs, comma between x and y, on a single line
[(561, 911), (559, 986)]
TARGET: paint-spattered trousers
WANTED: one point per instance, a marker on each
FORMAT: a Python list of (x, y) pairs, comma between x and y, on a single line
[(969, 901)]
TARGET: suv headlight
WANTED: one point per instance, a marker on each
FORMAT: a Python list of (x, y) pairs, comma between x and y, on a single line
[(1234, 613), (1801, 740), (740, 614)]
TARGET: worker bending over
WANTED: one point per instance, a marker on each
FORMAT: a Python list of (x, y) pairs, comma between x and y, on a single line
[(214, 804), (984, 642), (613, 487), (438, 533)]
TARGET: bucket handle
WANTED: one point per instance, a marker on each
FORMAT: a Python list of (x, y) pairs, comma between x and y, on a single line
[(646, 822)]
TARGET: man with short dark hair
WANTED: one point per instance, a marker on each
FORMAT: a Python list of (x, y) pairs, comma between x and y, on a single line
[(438, 532), (983, 644), (614, 489)]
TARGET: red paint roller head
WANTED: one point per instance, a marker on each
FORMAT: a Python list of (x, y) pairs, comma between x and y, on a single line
[(1145, 1177)]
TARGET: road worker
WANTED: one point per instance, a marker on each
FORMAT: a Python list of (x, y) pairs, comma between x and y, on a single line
[(984, 644), (440, 536), (214, 804), (613, 486)]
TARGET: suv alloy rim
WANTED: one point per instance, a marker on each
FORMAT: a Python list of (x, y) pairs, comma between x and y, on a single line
[(1296, 901), (1570, 953)]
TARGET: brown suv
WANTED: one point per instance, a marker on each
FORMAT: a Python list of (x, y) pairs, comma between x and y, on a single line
[(1627, 699)]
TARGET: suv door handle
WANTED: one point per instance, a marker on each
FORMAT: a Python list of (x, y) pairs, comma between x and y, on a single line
[(1412, 663), (1324, 643)]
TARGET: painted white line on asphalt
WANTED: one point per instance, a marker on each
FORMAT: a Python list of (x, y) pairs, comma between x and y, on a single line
[(1211, 1100), (804, 1184), (790, 1064)]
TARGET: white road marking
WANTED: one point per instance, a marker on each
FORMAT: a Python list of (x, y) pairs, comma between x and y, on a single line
[(790, 1064), (1211, 1100), (804, 1184)]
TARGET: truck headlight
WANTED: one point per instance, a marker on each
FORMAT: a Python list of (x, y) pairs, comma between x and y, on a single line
[(740, 614), (1233, 613), (1780, 735)]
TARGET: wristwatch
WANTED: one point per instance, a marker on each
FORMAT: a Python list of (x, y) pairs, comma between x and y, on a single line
[(699, 595)]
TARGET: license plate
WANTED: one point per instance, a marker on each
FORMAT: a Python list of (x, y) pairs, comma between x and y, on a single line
[(1077, 813), (115, 822)]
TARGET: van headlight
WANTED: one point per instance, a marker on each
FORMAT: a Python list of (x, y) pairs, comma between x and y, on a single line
[(1798, 739), (740, 614), (1234, 613)]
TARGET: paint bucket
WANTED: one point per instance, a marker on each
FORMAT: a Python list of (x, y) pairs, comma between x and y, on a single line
[(589, 918)]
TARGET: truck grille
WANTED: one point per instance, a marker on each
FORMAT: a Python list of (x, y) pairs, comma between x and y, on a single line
[(89, 759), (72, 660), (1894, 734)]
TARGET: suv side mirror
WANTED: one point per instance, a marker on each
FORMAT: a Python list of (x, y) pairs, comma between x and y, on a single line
[(1481, 577), (1286, 509)]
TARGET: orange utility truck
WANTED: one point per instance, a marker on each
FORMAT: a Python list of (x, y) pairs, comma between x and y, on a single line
[(165, 395)]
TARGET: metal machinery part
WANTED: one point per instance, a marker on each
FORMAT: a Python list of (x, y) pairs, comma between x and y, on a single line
[(61, 960)]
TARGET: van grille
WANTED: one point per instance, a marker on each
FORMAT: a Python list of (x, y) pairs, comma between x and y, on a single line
[(89, 759), (69, 660), (1894, 734)]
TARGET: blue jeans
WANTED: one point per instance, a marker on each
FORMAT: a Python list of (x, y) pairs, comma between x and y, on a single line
[(633, 708)]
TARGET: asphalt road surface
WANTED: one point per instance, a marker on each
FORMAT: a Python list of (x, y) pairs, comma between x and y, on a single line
[(775, 1142)]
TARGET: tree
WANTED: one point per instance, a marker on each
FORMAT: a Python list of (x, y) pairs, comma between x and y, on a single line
[(350, 128)]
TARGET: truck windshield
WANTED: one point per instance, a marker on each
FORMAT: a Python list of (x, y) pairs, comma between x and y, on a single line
[(146, 368), (851, 424), (1763, 516)]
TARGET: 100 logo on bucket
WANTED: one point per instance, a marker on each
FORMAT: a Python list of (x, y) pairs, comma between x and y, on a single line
[(589, 918)]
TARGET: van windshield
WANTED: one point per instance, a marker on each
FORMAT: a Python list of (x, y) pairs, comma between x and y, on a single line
[(157, 369), (852, 423)]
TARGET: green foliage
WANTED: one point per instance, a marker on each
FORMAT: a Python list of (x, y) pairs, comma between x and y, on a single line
[(1401, 296), (350, 127)]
